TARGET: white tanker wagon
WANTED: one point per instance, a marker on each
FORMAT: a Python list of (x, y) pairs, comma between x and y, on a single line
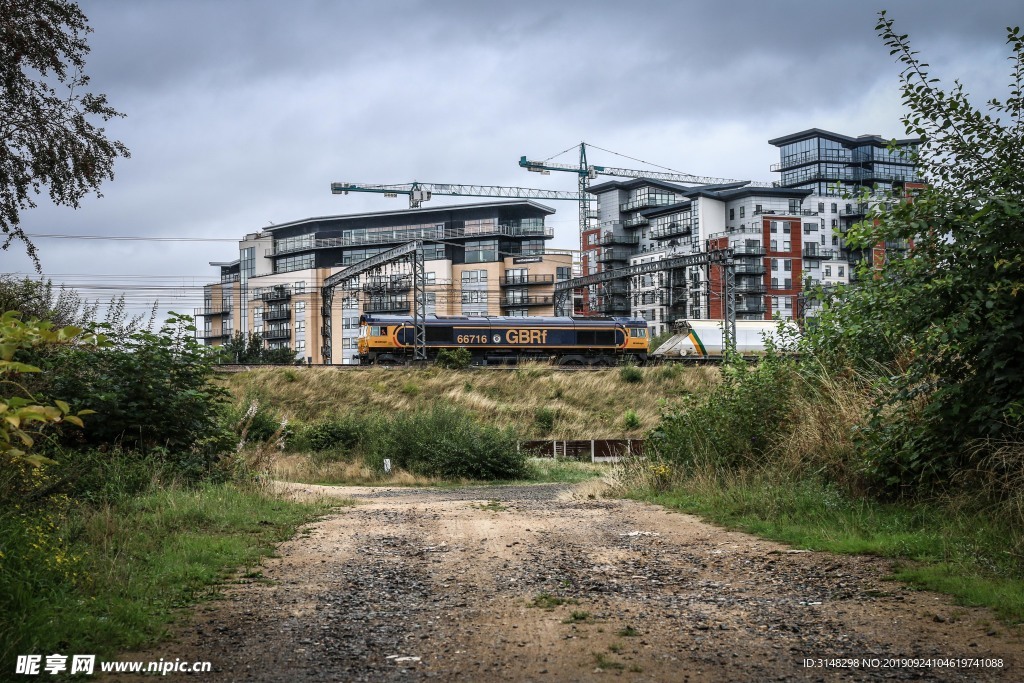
[(704, 339)]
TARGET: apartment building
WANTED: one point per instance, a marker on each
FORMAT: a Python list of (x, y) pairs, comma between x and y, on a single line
[(785, 235), (480, 259)]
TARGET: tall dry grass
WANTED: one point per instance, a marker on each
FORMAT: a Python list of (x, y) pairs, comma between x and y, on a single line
[(586, 404)]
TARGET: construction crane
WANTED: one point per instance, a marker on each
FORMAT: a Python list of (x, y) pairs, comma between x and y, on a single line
[(587, 172), (422, 192)]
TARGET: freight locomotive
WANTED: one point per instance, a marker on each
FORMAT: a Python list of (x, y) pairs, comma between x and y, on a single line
[(506, 340)]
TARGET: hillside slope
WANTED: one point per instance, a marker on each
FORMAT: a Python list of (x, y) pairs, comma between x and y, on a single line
[(585, 405)]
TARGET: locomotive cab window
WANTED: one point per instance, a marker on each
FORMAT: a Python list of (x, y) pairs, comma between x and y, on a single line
[(378, 331), (637, 332)]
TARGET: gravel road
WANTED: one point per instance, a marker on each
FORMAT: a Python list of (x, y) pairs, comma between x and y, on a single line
[(542, 583)]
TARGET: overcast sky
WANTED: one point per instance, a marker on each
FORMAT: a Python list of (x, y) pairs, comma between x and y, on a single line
[(241, 113)]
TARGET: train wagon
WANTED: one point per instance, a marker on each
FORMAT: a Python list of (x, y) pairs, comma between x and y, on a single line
[(702, 339), (496, 340)]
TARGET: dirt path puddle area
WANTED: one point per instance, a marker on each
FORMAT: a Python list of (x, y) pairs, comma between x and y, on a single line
[(538, 583)]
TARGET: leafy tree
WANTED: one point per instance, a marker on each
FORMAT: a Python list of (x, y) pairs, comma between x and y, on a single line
[(49, 136), (250, 350), (40, 300), (946, 318)]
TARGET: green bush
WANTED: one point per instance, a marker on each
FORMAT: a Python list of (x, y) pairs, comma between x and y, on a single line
[(545, 419), (340, 432), (454, 359), (151, 393), (631, 420), (446, 442), (734, 423), (631, 374)]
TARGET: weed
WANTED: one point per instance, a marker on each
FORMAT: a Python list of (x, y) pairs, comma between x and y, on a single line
[(491, 506), (631, 420), (547, 601), (628, 632), (545, 419), (410, 389), (579, 617), (615, 647), (290, 375), (604, 662), (631, 374)]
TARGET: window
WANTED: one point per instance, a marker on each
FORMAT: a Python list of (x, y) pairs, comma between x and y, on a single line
[(835, 208), (563, 273), (787, 265), (786, 245), (842, 271), (821, 207), (835, 241), (732, 214), (785, 228), (743, 211), (774, 226), (757, 208), (775, 283), (774, 245), (794, 206), (787, 283), (775, 264), (828, 271), (810, 227), (300, 306)]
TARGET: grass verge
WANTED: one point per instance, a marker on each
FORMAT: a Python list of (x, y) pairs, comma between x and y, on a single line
[(964, 553), (135, 562), (305, 468)]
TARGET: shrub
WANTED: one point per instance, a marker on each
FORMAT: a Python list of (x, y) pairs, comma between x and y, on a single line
[(631, 420), (454, 359), (151, 392), (545, 419), (631, 374), (733, 424), (446, 442), (335, 433)]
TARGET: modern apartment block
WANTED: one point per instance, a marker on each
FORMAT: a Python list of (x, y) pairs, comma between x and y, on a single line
[(784, 235), (481, 259)]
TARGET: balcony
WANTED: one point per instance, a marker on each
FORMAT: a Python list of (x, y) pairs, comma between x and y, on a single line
[(442, 231), (517, 301), (613, 307), (672, 230), (782, 213), (751, 305), (648, 202), (277, 294), (213, 310), (634, 221), (853, 210), (520, 280), (283, 332), (746, 251), (610, 238), (749, 268), (812, 251), (812, 156), (403, 284), (610, 254), (282, 313), (221, 335), (391, 305), (751, 287)]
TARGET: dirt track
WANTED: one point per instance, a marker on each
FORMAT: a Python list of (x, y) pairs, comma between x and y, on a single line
[(439, 584)]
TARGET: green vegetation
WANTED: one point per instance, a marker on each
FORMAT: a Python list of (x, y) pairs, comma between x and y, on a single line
[(631, 374), (454, 359), (250, 350), (545, 419), (579, 617), (107, 578), (900, 429), (627, 632), (127, 505), (547, 601), (604, 662)]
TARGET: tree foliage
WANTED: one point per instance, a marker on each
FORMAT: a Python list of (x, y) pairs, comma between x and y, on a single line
[(40, 300), (250, 350), (945, 319), (46, 113), (22, 416)]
